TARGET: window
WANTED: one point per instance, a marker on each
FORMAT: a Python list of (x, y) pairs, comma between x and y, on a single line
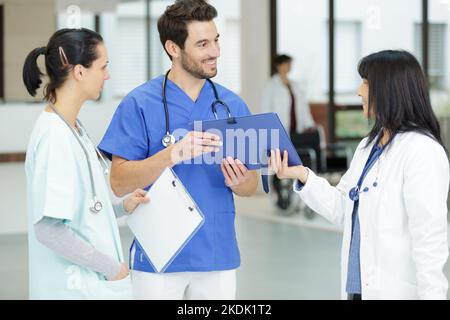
[(439, 66), (348, 53), (159, 60), (437, 43), (363, 27), (303, 34), (229, 73), (123, 27), (229, 27), (130, 62), (351, 124)]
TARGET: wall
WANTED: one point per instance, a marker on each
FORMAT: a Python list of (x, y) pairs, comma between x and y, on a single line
[(255, 53), (17, 120), (255, 49), (21, 37)]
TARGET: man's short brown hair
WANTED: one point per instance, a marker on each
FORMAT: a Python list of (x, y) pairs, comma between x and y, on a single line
[(172, 25)]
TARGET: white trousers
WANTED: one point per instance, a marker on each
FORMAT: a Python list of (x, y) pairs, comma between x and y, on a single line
[(217, 285)]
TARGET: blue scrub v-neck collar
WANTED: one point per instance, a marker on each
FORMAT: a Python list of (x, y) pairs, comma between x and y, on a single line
[(173, 84)]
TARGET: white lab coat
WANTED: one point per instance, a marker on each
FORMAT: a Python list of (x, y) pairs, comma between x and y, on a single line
[(276, 98), (403, 222)]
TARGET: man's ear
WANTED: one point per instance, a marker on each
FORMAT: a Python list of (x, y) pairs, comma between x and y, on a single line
[(172, 49), (78, 72)]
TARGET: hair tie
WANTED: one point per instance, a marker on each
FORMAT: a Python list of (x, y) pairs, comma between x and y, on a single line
[(43, 50)]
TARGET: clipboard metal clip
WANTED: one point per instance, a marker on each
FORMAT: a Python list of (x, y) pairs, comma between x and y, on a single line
[(190, 208), (231, 120)]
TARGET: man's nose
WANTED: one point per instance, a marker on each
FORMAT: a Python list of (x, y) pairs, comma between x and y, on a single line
[(215, 50)]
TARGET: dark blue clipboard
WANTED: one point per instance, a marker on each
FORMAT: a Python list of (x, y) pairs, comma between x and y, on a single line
[(251, 149)]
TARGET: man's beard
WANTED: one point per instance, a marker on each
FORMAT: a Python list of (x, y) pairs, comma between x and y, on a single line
[(194, 69)]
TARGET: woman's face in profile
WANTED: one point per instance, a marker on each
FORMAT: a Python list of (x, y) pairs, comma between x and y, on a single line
[(96, 74), (363, 92)]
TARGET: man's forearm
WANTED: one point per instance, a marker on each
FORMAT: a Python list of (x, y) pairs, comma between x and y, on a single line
[(248, 188), (127, 176)]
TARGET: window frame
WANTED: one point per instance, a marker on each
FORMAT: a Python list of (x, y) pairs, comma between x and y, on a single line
[(332, 106)]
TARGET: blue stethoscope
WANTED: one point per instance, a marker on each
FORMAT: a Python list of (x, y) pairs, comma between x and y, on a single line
[(374, 156), (169, 138)]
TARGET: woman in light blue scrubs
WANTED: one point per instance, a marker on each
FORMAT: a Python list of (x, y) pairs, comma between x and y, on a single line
[(74, 245)]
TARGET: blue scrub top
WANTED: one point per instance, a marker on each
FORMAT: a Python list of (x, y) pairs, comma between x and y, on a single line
[(135, 133)]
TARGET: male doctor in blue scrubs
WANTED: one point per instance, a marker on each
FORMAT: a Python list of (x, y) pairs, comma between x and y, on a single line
[(206, 267)]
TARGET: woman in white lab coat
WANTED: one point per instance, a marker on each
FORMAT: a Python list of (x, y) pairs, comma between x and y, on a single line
[(392, 201), (74, 245), (286, 98)]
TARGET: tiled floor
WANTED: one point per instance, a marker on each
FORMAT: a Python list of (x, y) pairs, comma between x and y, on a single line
[(279, 261)]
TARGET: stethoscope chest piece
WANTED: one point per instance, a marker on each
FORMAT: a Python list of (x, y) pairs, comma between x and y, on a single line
[(354, 194), (96, 206), (168, 140)]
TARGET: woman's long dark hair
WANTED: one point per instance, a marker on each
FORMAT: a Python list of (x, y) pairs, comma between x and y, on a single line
[(398, 95), (65, 49)]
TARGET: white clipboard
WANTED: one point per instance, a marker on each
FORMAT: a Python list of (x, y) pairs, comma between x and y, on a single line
[(164, 226)]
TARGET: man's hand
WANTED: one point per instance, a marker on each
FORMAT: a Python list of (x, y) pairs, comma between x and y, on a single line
[(193, 145), (235, 172)]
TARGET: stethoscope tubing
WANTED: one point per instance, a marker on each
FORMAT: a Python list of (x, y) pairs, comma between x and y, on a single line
[(168, 136), (96, 202)]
